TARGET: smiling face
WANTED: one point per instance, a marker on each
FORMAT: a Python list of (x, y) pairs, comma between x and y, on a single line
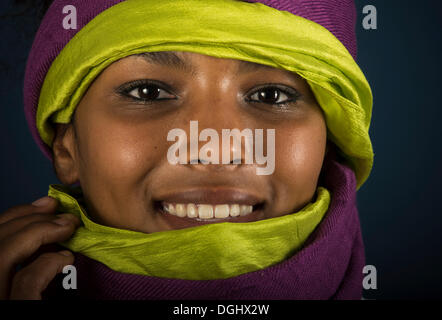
[(117, 144)]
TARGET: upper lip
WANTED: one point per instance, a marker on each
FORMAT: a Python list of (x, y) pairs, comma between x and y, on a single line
[(212, 196)]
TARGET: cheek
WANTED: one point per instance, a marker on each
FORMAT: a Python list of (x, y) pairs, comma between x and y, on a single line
[(300, 151), (303, 150), (117, 152)]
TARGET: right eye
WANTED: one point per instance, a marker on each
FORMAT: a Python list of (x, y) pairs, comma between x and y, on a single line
[(149, 93), (146, 92)]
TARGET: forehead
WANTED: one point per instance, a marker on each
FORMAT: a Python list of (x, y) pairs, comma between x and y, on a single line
[(183, 61)]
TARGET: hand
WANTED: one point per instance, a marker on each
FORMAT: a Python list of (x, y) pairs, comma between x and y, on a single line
[(25, 229)]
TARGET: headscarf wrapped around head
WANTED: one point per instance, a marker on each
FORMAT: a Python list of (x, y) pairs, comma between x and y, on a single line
[(313, 38)]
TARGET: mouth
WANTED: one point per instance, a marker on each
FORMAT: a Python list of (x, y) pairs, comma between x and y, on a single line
[(199, 207)]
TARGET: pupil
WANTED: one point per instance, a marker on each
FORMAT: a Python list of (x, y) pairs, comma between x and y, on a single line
[(148, 92), (269, 95)]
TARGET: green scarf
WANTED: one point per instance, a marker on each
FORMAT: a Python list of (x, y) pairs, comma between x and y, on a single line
[(212, 251), (225, 29)]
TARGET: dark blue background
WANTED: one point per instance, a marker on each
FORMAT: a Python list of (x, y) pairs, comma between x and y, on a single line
[(400, 205)]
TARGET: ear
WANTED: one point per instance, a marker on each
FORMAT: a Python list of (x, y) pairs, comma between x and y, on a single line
[(64, 149)]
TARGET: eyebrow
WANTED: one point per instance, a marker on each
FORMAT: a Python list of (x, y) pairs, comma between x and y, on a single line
[(247, 66), (171, 59), (168, 58)]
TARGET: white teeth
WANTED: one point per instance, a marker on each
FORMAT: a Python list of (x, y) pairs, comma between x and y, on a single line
[(222, 211), (244, 210), (192, 211), (234, 210), (181, 210), (171, 209), (207, 211)]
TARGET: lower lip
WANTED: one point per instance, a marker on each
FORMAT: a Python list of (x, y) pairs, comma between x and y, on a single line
[(176, 222)]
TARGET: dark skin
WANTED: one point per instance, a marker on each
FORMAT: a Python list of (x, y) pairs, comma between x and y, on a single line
[(116, 147)]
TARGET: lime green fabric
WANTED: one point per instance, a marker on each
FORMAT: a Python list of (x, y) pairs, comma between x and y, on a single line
[(212, 251), (225, 29)]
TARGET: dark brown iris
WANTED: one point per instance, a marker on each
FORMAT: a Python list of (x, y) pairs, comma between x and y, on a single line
[(268, 95), (148, 92)]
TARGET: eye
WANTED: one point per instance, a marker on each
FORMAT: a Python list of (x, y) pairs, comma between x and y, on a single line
[(146, 91), (150, 92), (274, 95)]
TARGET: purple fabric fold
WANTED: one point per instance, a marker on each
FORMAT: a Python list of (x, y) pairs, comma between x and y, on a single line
[(329, 266)]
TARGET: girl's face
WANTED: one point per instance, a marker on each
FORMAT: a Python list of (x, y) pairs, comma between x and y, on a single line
[(117, 145)]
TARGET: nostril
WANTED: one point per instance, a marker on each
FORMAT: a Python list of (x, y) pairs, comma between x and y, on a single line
[(203, 161), (236, 161), (199, 161)]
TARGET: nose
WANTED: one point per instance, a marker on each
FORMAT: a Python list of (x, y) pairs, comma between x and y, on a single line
[(218, 132), (225, 148)]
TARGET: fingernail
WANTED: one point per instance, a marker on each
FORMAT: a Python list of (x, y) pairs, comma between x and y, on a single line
[(63, 219), (42, 202), (65, 253)]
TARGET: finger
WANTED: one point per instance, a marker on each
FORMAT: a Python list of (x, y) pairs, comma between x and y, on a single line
[(19, 246), (28, 239), (42, 205), (31, 281), (15, 225)]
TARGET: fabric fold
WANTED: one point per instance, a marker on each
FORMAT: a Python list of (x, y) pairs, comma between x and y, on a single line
[(212, 251)]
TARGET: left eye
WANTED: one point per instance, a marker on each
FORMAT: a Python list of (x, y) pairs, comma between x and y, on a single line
[(149, 92), (272, 95)]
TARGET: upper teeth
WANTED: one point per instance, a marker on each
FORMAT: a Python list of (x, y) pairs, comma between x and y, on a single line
[(207, 211)]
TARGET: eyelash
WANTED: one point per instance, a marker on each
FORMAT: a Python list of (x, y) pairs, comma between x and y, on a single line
[(292, 94), (126, 89)]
